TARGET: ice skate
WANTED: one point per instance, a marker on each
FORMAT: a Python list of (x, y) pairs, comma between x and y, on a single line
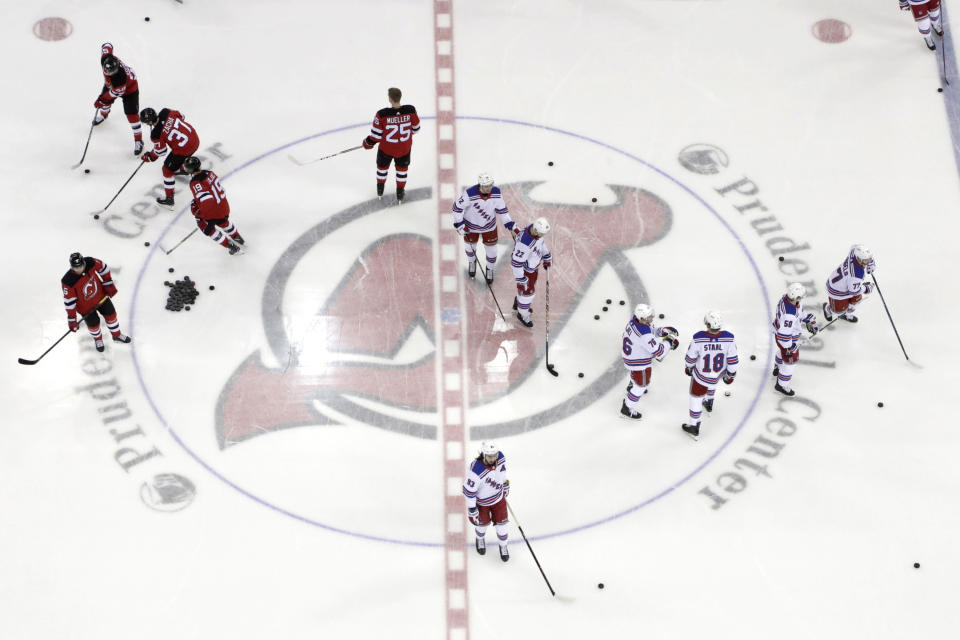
[(786, 392), (99, 344), (849, 316), (504, 553), (379, 190), (937, 29), (122, 338), (472, 271), (238, 239), (400, 194), (827, 312), (514, 304), (776, 371), (489, 275), (234, 249), (527, 323), (166, 201), (929, 42), (626, 413), (708, 405), (137, 147), (692, 430), (481, 545)]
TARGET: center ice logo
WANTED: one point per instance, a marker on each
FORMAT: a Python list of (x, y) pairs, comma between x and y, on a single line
[(387, 295)]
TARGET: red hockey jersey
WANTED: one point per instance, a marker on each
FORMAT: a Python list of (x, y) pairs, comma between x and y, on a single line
[(172, 129), (394, 129), (210, 200), (83, 293), (122, 83)]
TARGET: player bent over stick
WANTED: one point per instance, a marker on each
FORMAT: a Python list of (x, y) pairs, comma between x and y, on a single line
[(486, 489), (475, 216), (529, 252), (846, 286), (712, 354), (642, 342), (787, 329), (169, 127), (88, 286), (210, 208)]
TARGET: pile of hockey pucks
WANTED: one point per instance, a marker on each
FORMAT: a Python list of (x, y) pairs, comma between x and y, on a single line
[(183, 293)]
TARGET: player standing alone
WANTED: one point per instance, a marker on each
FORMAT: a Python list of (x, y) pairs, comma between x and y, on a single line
[(210, 208), (712, 354), (641, 343), (787, 329), (393, 128), (87, 289), (119, 81), (486, 489), (169, 127), (475, 216), (846, 286)]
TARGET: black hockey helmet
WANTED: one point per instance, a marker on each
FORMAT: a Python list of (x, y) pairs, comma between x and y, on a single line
[(192, 164), (76, 259), (148, 117), (110, 64)]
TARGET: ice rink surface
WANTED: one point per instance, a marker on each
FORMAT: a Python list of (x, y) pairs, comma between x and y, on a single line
[(275, 462)]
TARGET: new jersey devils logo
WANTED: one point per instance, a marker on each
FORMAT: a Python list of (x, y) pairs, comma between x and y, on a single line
[(386, 300)]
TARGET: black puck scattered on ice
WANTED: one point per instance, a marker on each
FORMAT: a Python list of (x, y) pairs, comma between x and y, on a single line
[(170, 269), (580, 375), (609, 300), (96, 216), (86, 170), (550, 164), (781, 258), (880, 404), (146, 244), (596, 317), (187, 308), (940, 90), (593, 199), (661, 316), (623, 302), (600, 586), (916, 565), (604, 308), (211, 287), (147, 19), (753, 357)]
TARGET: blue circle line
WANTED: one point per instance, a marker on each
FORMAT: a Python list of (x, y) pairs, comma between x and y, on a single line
[(270, 505)]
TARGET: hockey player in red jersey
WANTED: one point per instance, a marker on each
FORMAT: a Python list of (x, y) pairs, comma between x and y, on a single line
[(210, 207), (926, 13), (486, 489), (119, 81), (87, 289), (169, 127), (393, 128)]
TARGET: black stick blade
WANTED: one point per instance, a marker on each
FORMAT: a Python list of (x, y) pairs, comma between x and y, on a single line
[(23, 361), (552, 370)]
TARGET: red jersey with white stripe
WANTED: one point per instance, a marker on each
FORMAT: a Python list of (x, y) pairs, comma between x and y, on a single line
[(641, 344), (483, 485), (122, 83), (710, 355), (82, 293), (394, 129), (172, 128), (209, 195)]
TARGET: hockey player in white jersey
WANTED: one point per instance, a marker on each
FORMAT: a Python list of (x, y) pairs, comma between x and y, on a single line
[(787, 328), (486, 488), (475, 216), (529, 252), (712, 355), (846, 286), (642, 343)]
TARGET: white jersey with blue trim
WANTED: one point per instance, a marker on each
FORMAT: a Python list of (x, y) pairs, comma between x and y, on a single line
[(528, 252), (710, 355), (641, 344), (788, 324), (479, 212), (847, 280), (483, 485)]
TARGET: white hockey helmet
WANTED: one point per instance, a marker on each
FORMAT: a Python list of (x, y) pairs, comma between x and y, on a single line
[(643, 313), (795, 291), (713, 320), (863, 254), (485, 180), (489, 451), (541, 226)]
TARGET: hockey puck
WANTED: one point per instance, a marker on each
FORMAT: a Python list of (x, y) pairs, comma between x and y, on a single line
[(623, 302), (147, 19), (916, 565), (580, 375), (780, 258), (211, 287), (550, 164), (940, 90), (753, 357), (609, 301), (170, 269), (187, 307), (146, 244), (880, 404), (661, 316), (593, 199), (604, 308), (86, 170), (596, 317), (600, 586), (96, 216)]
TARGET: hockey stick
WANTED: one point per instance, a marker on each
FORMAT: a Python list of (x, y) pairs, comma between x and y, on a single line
[(89, 135), (897, 333), (489, 286), (185, 238), (514, 516), (140, 166), (943, 45), (819, 331), (69, 331), (303, 163), (546, 322)]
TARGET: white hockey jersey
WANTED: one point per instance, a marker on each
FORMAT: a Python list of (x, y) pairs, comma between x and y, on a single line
[(847, 281), (710, 355), (528, 252), (788, 325), (479, 212), (641, 344), (483, 485)]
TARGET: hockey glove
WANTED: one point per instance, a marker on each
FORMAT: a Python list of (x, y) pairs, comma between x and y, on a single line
[(101, 103), (546, 265), (688, 371), (194, 208), (792, 349), (459, 228), (366, 143), (868, 288), (72, 324), (670, 331), (473, 515), (670, 340), (506, 488), (870, 267), (149, 156), (728, 378), (110, 290)]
